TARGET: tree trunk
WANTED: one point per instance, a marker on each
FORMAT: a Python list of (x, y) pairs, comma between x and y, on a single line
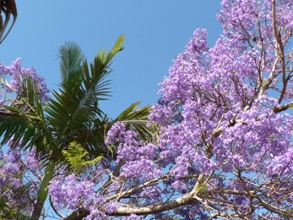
[(43, 190)]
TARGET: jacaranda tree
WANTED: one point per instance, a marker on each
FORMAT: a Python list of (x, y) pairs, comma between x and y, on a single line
[(221, 141)]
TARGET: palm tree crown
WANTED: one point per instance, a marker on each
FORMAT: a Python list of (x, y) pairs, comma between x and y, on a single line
[(72, 115)]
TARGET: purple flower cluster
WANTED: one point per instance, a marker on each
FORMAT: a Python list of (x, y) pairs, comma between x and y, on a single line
[(138, 159), (10, 169), (70, 191), (18, 74), (20, 173), (214, 111), (116, 133), (137, 156)]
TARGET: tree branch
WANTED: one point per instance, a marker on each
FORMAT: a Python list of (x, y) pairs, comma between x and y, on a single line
[(157, 207), (78, 214)]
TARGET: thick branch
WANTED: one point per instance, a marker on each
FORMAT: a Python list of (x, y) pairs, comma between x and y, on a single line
[(151, 209), (158, 207), (79, 214), (283, 107)]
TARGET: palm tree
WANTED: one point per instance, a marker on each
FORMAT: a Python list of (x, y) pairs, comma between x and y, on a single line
[(8, 8), (72, 115)]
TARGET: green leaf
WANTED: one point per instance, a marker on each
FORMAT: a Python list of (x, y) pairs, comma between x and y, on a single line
[(137, 120), (71, 60), (75, 155)]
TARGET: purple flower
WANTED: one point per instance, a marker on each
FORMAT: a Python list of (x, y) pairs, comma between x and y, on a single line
[(70, 191), (132, 217), (18, 74)]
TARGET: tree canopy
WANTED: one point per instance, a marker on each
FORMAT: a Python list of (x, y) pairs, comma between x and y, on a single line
[(217, 144)]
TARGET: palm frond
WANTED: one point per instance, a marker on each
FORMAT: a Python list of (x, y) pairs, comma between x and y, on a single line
[(105, 57), (95, 139), (22, 121), (71, 60), (95, 74), (15, 128), (137, 120), (71, 113)]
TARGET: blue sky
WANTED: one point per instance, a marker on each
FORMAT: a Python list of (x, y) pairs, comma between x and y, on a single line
[(156, 32)]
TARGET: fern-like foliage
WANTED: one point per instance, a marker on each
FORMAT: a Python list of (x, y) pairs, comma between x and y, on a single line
[(75, 155)]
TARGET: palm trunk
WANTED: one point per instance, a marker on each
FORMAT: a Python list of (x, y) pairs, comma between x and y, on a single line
[(43, 190)]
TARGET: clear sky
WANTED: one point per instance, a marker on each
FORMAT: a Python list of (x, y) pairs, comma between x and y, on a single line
[(156, 32)]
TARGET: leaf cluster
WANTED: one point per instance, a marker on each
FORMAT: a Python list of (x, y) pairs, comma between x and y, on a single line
[(75, 156)]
